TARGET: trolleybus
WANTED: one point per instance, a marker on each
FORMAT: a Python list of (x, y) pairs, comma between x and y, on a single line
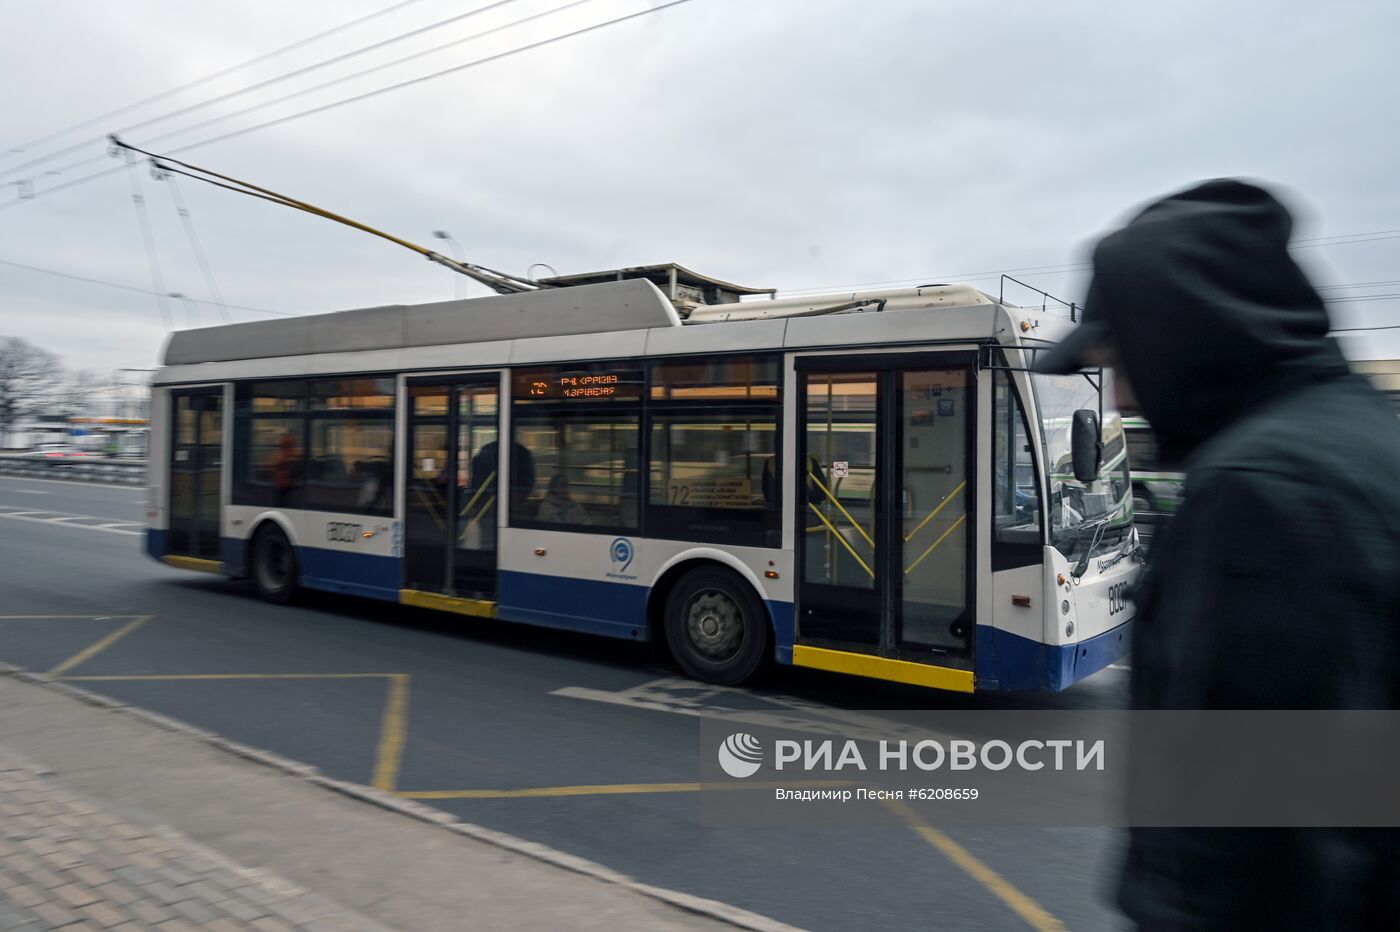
[(871, 483)]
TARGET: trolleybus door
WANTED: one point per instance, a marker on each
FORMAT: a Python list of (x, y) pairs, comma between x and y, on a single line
[(885, 505), (453, 485), (196, 472)]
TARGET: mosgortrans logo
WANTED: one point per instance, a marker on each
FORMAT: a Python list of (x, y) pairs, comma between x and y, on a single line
[(740, 755), (620, 554)]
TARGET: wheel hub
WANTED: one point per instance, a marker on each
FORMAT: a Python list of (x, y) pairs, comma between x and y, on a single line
[(714, 625), (275, 567)]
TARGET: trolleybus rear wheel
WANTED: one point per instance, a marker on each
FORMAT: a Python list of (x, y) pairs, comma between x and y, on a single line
[(274, 565)]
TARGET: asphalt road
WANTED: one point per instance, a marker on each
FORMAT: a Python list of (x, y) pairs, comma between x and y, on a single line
[(571, 741)]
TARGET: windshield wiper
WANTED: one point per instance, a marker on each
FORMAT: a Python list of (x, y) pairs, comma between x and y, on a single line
[(1099, 526)]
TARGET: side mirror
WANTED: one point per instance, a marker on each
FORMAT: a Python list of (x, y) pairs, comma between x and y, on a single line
[(1086, 449)]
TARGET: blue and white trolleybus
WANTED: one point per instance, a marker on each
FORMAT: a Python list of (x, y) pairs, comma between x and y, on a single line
[(871, 483)]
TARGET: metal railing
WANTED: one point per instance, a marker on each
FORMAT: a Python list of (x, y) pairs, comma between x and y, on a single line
[(114, 471)]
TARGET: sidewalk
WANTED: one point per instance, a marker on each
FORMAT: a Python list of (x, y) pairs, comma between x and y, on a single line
[(66, 863), (110, 821)]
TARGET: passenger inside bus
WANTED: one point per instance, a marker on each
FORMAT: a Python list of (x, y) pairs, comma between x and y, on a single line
[(286, 466), (486, 464), (558, 505)]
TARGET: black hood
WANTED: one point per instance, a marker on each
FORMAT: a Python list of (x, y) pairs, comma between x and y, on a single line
[(1208, 312)]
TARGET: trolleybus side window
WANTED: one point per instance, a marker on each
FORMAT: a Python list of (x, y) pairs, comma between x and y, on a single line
[(580, 426), (714, 439), (326, 444), (1015, 492), (269, 437), (350, 451)]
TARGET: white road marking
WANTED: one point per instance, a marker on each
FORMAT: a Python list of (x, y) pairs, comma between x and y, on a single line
[(61, 519), (681, 696), (1119, 666), (116, 486), (30, 492)]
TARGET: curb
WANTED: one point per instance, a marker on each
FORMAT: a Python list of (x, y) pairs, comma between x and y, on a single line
[(711, 909)]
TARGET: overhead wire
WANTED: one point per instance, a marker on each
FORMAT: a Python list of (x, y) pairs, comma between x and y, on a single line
[(373, 93), (196, 247), (1340, 239), (262, 310), (333, 105), (132, 288), (187, 86), (239, 92), (1307, 242), (148, 238), (222, 118)]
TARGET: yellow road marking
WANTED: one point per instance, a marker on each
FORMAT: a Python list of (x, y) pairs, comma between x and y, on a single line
[(1028, 909), (393, 729), (610, 789), (392, 733), (93, 650)]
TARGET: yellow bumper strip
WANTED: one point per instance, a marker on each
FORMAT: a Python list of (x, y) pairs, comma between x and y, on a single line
[(194, 563), (883, 668), (477, 608)]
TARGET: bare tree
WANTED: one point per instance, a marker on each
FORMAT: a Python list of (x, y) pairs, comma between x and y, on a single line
[(28, 377), (76, 394)]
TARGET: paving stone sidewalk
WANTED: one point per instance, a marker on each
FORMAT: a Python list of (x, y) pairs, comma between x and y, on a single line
[(112, 817), (66, 863)]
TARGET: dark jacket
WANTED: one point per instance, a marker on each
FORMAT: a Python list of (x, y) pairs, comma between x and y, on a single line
[(1277, 586)]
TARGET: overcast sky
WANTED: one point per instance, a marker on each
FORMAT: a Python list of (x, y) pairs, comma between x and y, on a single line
[(788, 143)]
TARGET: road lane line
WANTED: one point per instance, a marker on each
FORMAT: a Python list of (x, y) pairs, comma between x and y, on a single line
[(157, 677), (87, 617), (610, 789), (93, 650), (116, 486), (24, 516), (680, 696), (392, 733), (1035, 915)]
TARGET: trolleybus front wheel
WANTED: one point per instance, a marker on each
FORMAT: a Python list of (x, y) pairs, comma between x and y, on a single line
[(274, 565), (716, 627)]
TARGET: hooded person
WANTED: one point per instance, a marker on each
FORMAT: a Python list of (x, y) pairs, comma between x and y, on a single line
[(1277, 584)]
